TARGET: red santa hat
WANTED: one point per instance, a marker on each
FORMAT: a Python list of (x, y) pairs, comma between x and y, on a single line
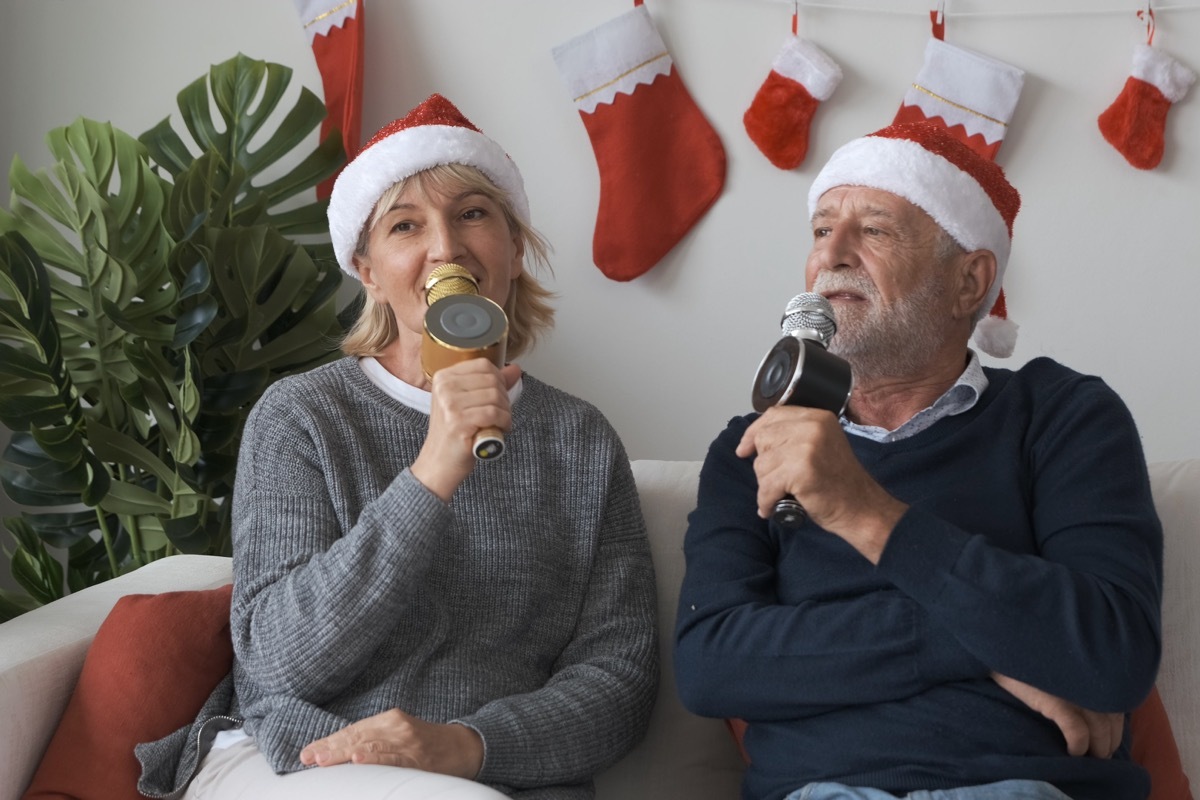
[(964, 192), (432, 134)]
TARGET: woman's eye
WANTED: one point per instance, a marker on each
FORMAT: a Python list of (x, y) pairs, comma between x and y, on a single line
[(402, 227), (474, 213)]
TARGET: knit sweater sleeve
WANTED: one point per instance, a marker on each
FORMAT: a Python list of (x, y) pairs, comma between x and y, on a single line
[(304, 587), (742, 651), (1080, 616), (597, 702)]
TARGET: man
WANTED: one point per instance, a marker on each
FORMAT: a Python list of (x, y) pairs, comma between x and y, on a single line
[(975, 597)]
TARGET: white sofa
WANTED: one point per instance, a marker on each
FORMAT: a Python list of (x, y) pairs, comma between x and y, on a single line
[(682, 756)]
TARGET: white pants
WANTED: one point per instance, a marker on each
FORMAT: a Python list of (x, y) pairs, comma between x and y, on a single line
[(241, 772)]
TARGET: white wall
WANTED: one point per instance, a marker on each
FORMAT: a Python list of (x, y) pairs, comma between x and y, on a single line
[(1103, 274)]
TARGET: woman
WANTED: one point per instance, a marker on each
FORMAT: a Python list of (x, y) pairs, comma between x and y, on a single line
[(403, 612)]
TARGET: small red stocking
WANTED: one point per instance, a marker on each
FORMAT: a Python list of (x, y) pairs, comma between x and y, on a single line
[(802, 77), (1137, 119), (661, 163)]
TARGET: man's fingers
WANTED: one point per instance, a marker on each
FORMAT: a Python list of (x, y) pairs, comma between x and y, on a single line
[(1075, 731), (1107, 731)]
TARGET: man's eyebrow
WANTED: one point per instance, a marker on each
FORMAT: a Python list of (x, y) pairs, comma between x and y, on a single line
[(870, 211)]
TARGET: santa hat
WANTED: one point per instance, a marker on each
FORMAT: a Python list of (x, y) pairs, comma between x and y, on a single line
[(432, 134), (964, 192)]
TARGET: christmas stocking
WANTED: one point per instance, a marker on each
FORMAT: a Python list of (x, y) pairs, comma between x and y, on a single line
[(1135, 122), (661, 163), (335, 31), (801, 78), (971, 94)]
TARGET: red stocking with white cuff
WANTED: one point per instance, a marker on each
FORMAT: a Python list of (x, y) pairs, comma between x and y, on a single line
[(1135, 122), (661, 163), (335, 31), (778, 120), (973, 96)]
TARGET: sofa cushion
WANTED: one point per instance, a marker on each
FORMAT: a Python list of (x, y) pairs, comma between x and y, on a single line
[(154, 661), (683, 755)]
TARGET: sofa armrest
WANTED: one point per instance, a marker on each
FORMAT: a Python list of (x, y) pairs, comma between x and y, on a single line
[(1176, 487), (42, 652)]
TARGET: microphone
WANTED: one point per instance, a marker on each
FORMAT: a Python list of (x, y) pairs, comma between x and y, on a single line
[(461, 325), (800, 371)]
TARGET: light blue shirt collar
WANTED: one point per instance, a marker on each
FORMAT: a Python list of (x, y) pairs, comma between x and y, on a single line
[(960, 397)]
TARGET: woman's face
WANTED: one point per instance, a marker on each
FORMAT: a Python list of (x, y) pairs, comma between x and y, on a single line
[(426, 227)]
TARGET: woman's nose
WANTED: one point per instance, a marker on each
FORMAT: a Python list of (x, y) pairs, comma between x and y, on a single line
[(445, 245)]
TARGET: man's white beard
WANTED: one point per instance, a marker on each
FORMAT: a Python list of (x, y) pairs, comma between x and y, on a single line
[(879, 340)]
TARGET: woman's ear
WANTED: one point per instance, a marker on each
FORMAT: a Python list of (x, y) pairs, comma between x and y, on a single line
[(518, 265), (977, 272), (362, 264)]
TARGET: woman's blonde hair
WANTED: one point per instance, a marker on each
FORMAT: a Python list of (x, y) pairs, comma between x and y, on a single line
[(528, 306)]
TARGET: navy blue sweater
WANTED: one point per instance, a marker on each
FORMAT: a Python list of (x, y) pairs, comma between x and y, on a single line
[(1031, 548)]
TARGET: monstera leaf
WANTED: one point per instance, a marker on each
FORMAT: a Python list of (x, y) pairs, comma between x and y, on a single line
[(245, 94), (149, 294)]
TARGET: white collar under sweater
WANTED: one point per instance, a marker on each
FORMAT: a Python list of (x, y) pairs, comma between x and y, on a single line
[(406, 393)]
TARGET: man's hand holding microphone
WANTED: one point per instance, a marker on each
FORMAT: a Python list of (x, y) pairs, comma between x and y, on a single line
[(803, 461)]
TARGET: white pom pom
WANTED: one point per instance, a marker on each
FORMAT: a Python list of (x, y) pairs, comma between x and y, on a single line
[(995, 336)]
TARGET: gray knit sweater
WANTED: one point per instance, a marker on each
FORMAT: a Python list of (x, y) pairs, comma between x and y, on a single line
[(525, 608)]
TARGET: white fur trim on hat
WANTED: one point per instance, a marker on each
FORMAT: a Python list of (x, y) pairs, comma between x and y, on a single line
[(952, 197), (407, 152)]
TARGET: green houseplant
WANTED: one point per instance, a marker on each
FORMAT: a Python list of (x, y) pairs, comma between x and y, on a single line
[(150, 291)]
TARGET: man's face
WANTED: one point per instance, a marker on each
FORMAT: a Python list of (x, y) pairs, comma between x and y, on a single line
[(875, 257)]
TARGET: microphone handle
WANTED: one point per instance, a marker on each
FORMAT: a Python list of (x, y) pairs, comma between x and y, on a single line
[(489, 444), (789, 514)]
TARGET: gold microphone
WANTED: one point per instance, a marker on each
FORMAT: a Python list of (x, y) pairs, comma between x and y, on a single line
[(461, 325)]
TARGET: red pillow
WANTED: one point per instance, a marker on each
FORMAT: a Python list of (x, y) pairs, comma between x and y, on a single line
[(155, 660), (1152, 744), (1151, 741)]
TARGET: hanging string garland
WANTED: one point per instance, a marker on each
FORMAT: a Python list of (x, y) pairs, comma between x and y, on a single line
[(1008, 12)]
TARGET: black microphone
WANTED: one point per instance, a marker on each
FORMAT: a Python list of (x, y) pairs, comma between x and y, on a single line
[(800, 371)]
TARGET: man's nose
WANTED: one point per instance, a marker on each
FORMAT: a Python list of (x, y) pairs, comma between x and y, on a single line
[(838, 250)]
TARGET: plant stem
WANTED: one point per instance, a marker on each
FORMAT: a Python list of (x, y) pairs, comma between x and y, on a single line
[(106, 534), (135, 531)]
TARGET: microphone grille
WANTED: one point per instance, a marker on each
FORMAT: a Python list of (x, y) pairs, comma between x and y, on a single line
[(449, 279), (809, 311)]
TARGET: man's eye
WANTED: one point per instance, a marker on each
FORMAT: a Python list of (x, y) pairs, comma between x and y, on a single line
[(819, 232)]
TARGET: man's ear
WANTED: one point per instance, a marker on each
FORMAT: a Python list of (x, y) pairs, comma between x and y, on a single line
[(976, 273)]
